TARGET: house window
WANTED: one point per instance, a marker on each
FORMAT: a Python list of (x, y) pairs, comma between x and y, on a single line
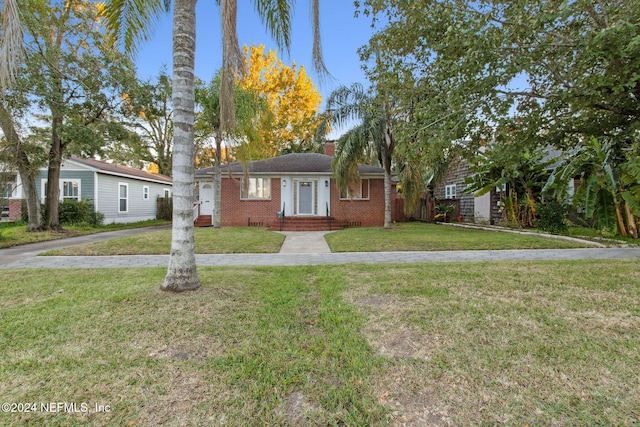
[(256, 189), (450, 191), (123, 198), (70, 189), (145, 192), (6, 190), (356, 190), (167, 193)]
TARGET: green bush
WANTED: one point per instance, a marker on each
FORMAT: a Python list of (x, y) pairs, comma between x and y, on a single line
[(552, 217), (79, 212)]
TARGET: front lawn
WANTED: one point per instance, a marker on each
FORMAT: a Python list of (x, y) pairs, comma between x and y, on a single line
[(208, 240), (417, 236), (14, 234), (515, 343)]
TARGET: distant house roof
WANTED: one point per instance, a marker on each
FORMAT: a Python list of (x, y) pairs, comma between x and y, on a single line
[(119, 170), (289, 163)]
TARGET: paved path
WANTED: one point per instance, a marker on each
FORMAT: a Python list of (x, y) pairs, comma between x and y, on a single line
[(304, 242), (302, 248)]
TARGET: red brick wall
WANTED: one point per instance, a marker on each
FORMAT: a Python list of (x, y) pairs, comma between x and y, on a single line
[(15, 209), (368, 213), (237, 212)]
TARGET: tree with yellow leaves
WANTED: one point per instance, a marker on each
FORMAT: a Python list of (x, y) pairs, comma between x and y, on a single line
[(292, 99)]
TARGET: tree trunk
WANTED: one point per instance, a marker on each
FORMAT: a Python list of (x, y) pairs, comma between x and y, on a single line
[(31, 195), (631, 221), (25, 169), (622, 229), (182, 274), (217, 182), (386, 160), (53, 178), (387, 197)]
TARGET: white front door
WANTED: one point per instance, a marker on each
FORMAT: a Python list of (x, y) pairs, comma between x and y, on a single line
[(206, 198), (305, 198)]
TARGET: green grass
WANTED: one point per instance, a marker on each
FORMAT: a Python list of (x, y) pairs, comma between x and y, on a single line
[(516, 343), (13, 234), (208, 241), (416, 236)]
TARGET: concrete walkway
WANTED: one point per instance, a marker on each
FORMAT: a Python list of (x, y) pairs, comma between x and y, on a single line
[(304, 242), (300, 248)]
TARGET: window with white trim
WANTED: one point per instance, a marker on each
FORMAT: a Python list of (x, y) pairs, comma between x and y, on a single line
[(167, 193), (145, 192), (70, 189), (6, 190), (356, 190), (123, 198), (256, 189), (450, 191)]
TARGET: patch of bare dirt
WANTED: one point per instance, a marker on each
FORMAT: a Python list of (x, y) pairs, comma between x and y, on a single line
[(409, 399), (297, 409)]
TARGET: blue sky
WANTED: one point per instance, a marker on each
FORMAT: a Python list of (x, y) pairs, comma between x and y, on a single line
[(342, 35)]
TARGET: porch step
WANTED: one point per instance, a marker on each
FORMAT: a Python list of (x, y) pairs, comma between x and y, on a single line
[(297, 223), (203, 221)]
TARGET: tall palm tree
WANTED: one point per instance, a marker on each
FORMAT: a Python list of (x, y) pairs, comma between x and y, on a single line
[(130, 21), (248, 107), (372, 139)]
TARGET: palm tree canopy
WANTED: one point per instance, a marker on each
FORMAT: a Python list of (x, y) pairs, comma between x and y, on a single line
[(11, 42)]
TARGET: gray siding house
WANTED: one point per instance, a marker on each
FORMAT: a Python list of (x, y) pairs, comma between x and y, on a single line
[(121, 193)]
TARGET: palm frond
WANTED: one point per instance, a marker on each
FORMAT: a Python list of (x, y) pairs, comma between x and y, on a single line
[(11, 43), (132, 21), (350, 149), (276, 17)]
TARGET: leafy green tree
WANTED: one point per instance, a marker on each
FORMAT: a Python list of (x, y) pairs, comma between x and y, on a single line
[(566, 71), (150, 126), (518, 172), (609, 186), (75, 77)]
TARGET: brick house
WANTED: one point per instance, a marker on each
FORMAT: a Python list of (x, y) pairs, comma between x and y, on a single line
[(10, 196), (293, 192)]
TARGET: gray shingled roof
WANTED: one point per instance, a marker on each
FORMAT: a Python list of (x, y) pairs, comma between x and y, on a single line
[(290, 163), (114, 169)]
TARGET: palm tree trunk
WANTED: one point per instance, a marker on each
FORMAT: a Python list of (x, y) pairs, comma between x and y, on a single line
[(387, 156), (182, 273), (387, 195)]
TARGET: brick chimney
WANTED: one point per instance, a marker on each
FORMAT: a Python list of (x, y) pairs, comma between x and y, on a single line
[(329, 148)]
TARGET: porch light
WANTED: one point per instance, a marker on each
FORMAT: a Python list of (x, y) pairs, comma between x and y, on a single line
[(284, 182)]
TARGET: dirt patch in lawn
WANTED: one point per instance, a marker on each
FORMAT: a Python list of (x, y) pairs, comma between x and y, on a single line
[(401, 388)]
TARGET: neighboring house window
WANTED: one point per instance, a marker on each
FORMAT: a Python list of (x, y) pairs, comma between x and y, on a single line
[(167, 193), (256, 188), (450, 191), (123, 197), (145, 192), (6, 190), (70, 189), (356, 190)]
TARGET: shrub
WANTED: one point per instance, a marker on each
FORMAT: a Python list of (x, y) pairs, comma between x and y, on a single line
[(79, 212), (552, 217)]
